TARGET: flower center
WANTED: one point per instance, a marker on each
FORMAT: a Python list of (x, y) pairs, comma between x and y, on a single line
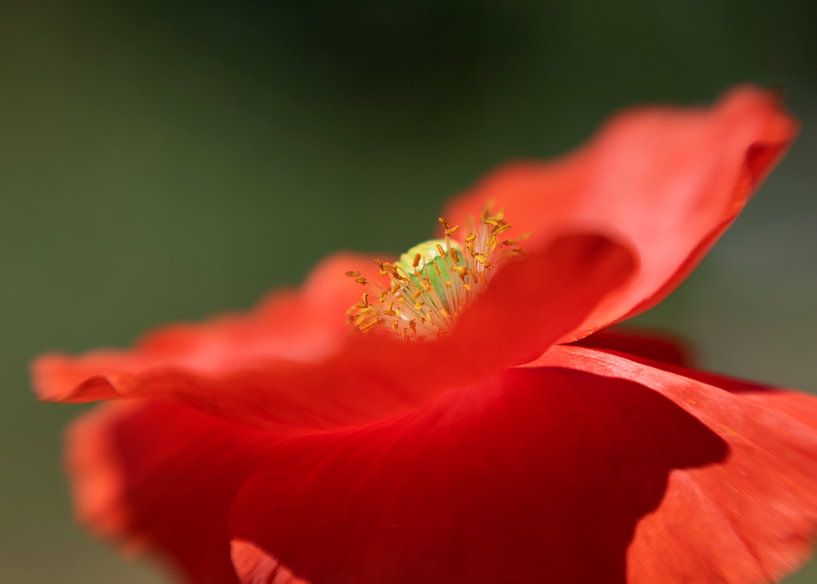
[(430, 285)]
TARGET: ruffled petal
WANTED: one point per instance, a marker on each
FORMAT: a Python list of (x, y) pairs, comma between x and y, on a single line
[(668, 181), (160, 477), (751, 517), (537, 475), (527, 306), (299, 326)]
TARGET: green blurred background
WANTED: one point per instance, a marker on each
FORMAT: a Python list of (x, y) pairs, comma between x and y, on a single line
[(161, 161)]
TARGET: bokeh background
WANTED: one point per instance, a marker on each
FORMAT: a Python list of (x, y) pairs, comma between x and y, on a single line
[(161, 161)]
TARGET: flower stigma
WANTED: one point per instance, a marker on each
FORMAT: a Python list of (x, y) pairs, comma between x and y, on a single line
[(432, 283)]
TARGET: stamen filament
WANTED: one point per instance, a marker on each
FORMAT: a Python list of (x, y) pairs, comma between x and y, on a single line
[(433, 282)]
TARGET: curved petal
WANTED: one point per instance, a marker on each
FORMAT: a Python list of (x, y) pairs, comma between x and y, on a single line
[(749, 518), (537, 475), (527, 306), (160, 477), (649, 344), (301, 326), (668, 181)]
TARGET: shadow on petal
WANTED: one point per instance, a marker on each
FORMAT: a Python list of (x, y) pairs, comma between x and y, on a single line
[(539, 475)]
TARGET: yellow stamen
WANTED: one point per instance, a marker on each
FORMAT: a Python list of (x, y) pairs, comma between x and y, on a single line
[(434, 281)]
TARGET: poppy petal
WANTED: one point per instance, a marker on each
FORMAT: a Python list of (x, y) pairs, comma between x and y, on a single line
[(527, 306), (667, 181), (651, 345), (160, 477), (537, 475), (300, 326), (253, 566), (749, 518)]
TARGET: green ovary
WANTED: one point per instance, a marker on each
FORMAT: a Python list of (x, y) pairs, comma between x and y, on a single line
[(424, 260)]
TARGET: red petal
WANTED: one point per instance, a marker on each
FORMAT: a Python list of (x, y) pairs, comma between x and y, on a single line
[(253, 566), (669, 181), (651, 345), (528, 305), (301, 326), (749, 518), (538, 475), (161, 477)]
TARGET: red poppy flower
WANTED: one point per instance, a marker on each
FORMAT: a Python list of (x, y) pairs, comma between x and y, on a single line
[(472, 429)]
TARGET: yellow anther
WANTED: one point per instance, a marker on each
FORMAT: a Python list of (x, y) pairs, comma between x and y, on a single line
[(430, 284), (494, 219), (369, 324)]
